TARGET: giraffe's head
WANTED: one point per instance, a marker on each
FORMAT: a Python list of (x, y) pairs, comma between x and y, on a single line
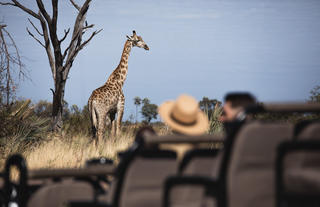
[(137, 41)]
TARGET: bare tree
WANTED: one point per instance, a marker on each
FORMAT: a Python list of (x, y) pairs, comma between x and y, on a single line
[(60, 61), (9, 59)]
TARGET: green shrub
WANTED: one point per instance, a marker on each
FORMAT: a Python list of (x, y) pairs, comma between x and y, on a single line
[(21, 128)]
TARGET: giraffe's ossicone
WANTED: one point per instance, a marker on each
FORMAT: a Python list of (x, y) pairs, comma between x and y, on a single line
[(108, 100)]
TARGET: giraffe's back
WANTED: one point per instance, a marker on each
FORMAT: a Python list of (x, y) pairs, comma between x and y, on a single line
[(106, 94)]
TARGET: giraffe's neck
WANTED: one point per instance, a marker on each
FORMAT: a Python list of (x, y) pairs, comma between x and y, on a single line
[(119, 75)]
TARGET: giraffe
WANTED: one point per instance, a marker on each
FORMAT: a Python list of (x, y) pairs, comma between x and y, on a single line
[(108, 100)]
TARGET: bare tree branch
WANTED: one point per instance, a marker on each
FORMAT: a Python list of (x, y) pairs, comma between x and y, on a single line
[(17, 4), (77, 32), (32, 35), (35, 27), (68, 48), (88, 26), (88, 40), (43, 11), (54, 12), (6, 3), (7, 60), (75, 5), (52, 91), (47, 46), (80, 47), (22, 74), (66, 32)]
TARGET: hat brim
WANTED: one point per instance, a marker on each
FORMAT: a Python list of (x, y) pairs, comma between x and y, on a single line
[(201, 124)]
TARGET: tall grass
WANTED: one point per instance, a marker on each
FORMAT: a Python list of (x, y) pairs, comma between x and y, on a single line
[(25, 132), (215, 126), (73, 153), (25, 129)]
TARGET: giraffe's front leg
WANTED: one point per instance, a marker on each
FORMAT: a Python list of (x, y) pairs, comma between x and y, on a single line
[(120, 109)]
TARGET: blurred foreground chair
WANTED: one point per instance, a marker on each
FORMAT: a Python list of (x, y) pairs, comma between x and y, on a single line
[(298, 167), (201, 159), (247, 175), (247, 164)]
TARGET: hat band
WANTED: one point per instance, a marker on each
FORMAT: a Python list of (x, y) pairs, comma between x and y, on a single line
[(182, 123)]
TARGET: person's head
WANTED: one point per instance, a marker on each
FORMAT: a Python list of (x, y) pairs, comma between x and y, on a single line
[(184, 116), (234, 105)]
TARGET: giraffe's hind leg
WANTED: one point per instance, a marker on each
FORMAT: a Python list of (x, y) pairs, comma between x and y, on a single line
[(120, 109), (112, 116), (94, 120)]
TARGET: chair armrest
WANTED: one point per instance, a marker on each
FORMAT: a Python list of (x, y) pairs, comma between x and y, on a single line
[(87, 204), (212, 187), (99, 170), (178, 139)]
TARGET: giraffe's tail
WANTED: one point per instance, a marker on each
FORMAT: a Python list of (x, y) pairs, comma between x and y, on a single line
[(93, 118)]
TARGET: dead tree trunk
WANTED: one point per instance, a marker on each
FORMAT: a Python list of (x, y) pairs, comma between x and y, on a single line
[(60, 62)]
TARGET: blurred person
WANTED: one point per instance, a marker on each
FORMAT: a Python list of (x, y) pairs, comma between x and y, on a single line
[(234, 106), (233, 115)]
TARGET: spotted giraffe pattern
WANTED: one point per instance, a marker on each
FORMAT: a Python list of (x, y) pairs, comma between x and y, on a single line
[(108, 100)]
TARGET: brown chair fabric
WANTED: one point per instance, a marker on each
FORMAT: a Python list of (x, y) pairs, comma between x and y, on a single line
[(201, 162), (311, 132), (60, 193), (302, 168), (251, 174), (197, 162), (144, 179), (141, 184)]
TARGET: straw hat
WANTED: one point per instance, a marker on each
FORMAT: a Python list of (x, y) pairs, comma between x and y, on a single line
[(184, 115)]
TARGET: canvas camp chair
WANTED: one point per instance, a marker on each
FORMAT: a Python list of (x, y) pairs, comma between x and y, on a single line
[(142, 176), (298, 167), (50, 187), (139, 177), (246, 176), (244, 164), (198, 161)]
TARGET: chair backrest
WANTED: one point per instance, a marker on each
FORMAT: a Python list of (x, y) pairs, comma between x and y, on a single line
[(311, 131), (301, 167), (251, 175), (143, 179), (196, 162), (308, 130), (201, 162)]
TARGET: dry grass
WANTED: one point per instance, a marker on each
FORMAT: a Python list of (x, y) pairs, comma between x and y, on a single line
[(72, 151)]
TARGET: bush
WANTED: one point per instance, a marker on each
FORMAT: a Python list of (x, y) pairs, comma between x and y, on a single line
[(21, 128), (78, 121)]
